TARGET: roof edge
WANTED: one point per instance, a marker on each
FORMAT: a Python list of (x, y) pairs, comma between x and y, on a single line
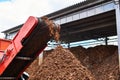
[(75, 7)]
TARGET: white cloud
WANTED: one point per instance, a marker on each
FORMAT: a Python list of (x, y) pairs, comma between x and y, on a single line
[(15, 12)]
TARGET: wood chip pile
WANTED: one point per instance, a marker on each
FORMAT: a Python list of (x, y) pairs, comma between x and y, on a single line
[(95, 63)]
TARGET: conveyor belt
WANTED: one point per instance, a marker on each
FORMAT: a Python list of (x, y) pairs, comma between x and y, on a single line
[(32, 46)]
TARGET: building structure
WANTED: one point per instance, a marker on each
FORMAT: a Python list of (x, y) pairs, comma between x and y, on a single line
[(83, 18)]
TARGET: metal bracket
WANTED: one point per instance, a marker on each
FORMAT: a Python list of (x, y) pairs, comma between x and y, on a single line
[(23, 58), (7, 78)]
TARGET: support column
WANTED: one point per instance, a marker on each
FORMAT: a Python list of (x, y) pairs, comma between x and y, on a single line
[(117, 10), (68, 45), (40, 58), (106, 41)]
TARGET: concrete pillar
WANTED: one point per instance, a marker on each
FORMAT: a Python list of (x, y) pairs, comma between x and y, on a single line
[(117, 11), (40, 58)]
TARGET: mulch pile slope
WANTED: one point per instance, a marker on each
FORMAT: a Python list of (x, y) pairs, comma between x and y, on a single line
[(94, 63), (108, 69), (103, 62), (62, 65), (31, 70), (81, 54)]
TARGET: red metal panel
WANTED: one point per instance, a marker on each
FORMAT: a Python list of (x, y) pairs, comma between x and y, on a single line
[(16, 45), (4, 44), (26, 29)]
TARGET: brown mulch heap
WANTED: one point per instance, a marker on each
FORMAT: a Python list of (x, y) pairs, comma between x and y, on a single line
[(98, 54), (31, 70), (108, 69), (46, 53), (103, 61), (100, 62), (80, 53), (62, 65)]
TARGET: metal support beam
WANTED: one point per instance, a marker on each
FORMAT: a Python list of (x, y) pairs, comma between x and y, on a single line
[(23, 58), (117, 10), (106, 41), (7, 78)]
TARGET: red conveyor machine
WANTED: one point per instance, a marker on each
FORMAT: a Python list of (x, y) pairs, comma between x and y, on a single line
[(29, 42)]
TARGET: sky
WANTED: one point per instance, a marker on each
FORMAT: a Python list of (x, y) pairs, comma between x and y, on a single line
[(15, 12)]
